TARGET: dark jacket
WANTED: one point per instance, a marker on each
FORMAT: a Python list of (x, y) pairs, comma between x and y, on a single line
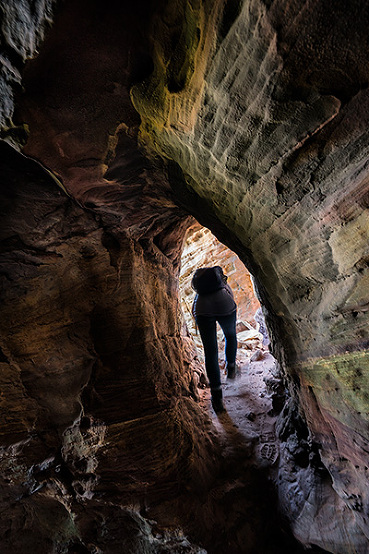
[(218, 303)]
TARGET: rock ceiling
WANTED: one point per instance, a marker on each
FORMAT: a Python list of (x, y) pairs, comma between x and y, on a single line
[(120, 123)]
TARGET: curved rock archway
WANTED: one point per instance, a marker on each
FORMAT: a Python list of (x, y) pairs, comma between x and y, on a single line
[(250, 116)]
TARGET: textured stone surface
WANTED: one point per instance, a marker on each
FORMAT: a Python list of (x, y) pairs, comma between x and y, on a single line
[(91, 382), (22, 29), (271, 137), (253, 117), (104, 445)]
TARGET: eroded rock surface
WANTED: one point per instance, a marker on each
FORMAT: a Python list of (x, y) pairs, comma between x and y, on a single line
[(253, 117), (270, 133), (92, 380)]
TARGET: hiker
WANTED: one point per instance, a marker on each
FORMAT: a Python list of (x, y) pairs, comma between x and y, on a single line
[(214, 303)]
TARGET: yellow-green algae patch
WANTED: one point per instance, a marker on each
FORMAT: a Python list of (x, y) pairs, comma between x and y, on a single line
[(170, 98), (341, 386)]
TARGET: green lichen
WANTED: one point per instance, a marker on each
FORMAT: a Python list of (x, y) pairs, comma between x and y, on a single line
[(341, 385)]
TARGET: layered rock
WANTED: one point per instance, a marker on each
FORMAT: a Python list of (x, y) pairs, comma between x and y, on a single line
[(270, 133), (97, 396), (251, 116)]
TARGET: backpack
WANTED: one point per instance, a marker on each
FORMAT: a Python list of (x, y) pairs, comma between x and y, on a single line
[(208, 279)]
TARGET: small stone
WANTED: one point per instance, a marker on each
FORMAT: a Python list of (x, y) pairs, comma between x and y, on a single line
[(251, 416), (257, 356)]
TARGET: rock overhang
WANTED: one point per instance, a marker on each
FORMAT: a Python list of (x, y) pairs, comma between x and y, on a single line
[(255, 126)]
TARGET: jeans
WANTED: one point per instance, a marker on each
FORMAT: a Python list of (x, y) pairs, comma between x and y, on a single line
[(208, 331)]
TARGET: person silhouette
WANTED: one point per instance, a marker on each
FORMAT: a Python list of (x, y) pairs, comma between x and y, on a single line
[(214, 302)]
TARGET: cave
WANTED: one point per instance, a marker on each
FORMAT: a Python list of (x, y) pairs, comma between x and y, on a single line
[(122, 125), (202, 249)]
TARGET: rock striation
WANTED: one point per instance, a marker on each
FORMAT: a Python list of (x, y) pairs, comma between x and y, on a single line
[(269, 134), (87, 370), (252, 117)]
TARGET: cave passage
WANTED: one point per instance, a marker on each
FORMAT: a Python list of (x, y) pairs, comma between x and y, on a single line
[(251, 117), (201, 248), (257, 394), (248, 430)]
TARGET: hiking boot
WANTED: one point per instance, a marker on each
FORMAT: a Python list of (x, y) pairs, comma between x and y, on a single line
[(231, 371), (217, 401)]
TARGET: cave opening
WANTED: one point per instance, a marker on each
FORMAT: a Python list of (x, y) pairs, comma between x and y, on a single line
[(202, 249), (258, 374)]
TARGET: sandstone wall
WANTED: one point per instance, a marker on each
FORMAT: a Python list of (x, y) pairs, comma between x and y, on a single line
[(269, 134), (98, 404), (252, 116)]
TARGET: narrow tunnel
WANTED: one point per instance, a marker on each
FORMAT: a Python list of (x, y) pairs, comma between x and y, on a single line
[(122, 125), (202, 249), (107, 377)]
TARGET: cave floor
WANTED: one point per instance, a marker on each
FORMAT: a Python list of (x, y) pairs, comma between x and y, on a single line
[(237, 510), (248, 422), (243, 502)]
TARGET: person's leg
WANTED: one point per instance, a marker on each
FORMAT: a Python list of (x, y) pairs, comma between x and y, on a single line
[(208, 334), (228, 325)]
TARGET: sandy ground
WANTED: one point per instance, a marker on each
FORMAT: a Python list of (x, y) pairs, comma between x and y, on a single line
[(248, 419), (238, 512)]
